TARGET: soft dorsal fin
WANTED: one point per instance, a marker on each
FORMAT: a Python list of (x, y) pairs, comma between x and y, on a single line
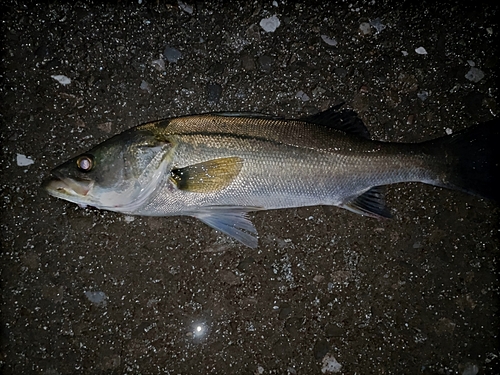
[(345, 120)]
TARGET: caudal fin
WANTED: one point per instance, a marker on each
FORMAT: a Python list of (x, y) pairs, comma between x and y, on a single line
[(473, 159)]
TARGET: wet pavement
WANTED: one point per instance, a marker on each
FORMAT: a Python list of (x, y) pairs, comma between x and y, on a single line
[(327, 291)]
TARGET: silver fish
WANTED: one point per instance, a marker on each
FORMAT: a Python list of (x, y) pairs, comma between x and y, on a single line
[(218, 167)]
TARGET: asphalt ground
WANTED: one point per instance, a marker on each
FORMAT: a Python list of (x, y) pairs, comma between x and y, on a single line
[(327, 291)]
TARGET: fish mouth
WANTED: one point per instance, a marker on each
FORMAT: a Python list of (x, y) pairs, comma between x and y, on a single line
[(66, 187)]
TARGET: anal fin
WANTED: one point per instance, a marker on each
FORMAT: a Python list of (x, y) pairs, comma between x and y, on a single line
[(370, 203)]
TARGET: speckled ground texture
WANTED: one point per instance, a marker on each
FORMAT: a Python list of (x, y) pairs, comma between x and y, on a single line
[(327, 291)]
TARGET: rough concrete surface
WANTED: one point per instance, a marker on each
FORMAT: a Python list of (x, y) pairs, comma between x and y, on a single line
[(327, 291)]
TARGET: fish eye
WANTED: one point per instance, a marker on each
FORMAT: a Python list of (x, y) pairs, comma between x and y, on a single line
[(85, 163)]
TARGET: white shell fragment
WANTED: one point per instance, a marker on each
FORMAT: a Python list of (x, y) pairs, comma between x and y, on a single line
[(270, 24), (128, 218), (23, 160), (63, 80), (159, 64), (97, 298), (421, 51), (330, 365)]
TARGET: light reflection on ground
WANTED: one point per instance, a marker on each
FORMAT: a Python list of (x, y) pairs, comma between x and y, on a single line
[(199, 330)]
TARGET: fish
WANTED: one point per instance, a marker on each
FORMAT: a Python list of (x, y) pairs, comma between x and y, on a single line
[(219, 167)]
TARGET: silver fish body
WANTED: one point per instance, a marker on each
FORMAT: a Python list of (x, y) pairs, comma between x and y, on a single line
[(218, 167), (281, 170)]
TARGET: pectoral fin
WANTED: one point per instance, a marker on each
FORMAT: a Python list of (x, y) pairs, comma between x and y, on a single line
[(207, 177), (370, 203), (233, 221)]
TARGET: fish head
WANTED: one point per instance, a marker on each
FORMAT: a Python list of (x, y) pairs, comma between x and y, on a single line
[(117, 175)]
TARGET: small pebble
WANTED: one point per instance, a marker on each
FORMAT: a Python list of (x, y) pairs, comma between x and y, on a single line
[(377, 24), (365, 28), (328, 40), (171, 54), (318, 91), (185, 7), (265, 63), (228, 277), (423, 95), (247, 62), (470, 369), (106, 126), (145, 86), (320, 349), (214, 92), (302, 96), (341, 72), (253, 33), (474, 74), (364, 89), (245, 264), (318, 278)]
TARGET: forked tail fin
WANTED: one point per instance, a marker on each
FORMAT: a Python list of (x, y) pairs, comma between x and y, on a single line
[(473, 160)]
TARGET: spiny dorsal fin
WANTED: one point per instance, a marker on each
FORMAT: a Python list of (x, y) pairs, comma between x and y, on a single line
[(207, 177), (370, 203), (345, 120)]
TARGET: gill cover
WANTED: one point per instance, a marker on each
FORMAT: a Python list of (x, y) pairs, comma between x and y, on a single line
[(119, 174)]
